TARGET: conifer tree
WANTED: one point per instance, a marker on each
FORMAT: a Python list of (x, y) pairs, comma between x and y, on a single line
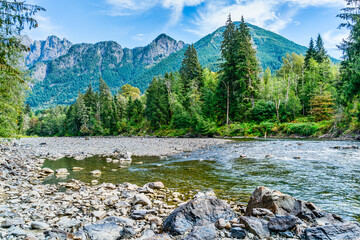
[(247, 64), (320, 55), (191, 69), (310, 53), (228, 68), (350, 74)]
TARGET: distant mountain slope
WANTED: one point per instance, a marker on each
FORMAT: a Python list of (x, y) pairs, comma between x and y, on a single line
[(60, 80), (271, 48), (53, 47)]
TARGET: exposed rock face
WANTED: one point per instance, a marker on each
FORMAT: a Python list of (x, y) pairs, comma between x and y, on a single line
[(345, 231), (201, 211), (87, 62), (53, 47), (283, 204)]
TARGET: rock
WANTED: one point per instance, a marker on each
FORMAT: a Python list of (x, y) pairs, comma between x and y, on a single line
[(128, 233), (108, 159), (119, 220), (77, 168), (347, 231), (155, 220), (16, 231), (99, 214), (238, 233), (163, 236), (283, 223), (94, 182), (12, 222), (282, 204), (297, 157), (156, 185), (268, 156), (39, 225), (104, 231), (47, 170), (200, 211), (148, 234), (140, 214), (79, 157), (66, 222), (62, 171), (96, 172), (256, 226), (262, 212), (220, 223), (141, 199), (206, 232)]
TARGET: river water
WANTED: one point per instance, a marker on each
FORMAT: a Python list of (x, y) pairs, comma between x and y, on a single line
[(306, 169)]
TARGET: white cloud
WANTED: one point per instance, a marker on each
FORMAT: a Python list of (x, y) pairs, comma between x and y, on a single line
[(263, 13), (333, 38), (45, 28)]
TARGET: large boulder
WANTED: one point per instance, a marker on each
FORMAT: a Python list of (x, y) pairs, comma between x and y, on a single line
[(201, 211), (257, 226), (345, 231), (283, 204)]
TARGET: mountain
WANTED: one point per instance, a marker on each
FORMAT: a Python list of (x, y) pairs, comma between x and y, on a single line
[(53, 47), (59, 81)]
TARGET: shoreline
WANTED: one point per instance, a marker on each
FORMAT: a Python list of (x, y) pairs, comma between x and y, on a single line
[(31, 210)]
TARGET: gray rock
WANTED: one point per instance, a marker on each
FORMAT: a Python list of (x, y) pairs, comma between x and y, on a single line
[(104, 231), (256, 226), (283, 223), (39, 225), (16, 231), (220, 223), (128, 233), (198, 212), (119, 220), (347, 231), (206, 232), (141, 199), (238, 233), (283, 204), (12, 222), (262, 212), (163, 236), (140, 214), (156, 185)]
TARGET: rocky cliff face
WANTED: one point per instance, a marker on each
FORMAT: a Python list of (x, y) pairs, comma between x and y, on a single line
[(84, 63), (49, 49)]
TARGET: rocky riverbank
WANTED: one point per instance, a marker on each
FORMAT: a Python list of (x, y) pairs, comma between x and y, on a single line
[(31, 210)]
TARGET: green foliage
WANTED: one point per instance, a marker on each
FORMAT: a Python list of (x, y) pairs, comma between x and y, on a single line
[(263, 111)]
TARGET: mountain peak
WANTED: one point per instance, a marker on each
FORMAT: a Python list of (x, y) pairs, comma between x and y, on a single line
[(163, 36)]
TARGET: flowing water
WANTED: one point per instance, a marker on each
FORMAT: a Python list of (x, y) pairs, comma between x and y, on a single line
[(309, 170)]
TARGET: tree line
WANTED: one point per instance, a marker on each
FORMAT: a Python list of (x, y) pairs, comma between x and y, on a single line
[(306, 90)]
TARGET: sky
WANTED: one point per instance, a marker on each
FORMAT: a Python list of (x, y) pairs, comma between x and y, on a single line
[(134, 23)]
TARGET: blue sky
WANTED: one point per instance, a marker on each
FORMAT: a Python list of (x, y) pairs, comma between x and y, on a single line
[(135, 23)]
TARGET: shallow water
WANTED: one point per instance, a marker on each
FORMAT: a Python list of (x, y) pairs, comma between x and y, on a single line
[(326, 176)]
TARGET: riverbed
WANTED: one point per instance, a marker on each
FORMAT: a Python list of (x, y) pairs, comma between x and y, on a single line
[(324, 172)]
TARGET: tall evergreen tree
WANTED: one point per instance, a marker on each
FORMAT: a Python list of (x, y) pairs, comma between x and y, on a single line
[(106, 110), (14, 16), (228, 76), (248, 68), (320, 55), (350, 66), (191, 69), (310, 53)]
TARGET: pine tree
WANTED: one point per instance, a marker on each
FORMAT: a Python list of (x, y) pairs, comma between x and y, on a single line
[(228, 68), (191, 69), (310, 53), (248, 68), (106, 106), (350, 74), (320, 52), (14, 17)]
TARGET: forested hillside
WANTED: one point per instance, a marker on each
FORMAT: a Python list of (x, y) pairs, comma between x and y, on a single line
[(85, 63)]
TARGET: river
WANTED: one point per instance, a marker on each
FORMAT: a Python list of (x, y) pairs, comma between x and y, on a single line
[(324, 172)]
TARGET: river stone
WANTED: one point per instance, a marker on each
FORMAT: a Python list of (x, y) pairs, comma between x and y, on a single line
[(99, 214), (258, 227), (283, 204), (220, 223), (238, 233), (206, 232), (39, 225), (163, 236), (140, 214), (47, 170), (156, 185), (200, 211), (12, 222), (104, 231), (96, 172), (283, 223), (62, 171), (347, 231), (119, 220), (141, 199)]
